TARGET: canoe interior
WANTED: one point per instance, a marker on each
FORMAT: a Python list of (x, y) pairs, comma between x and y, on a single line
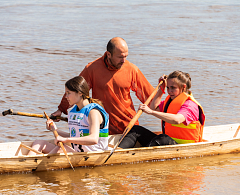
[(210, 134)]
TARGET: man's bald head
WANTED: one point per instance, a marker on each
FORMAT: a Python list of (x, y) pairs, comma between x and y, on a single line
[(116, 42), (117, 52)]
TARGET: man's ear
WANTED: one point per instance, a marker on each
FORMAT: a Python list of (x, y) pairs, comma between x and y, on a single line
[(109, 55)]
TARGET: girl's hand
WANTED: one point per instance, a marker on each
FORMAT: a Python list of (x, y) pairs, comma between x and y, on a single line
[(50, 125), (164, 84), (145, 108), (59, 139)]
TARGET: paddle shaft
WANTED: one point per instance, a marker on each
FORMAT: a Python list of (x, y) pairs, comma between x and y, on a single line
[(29, 148), (60, 143), (11, 112), (134, 120), (236, 133)]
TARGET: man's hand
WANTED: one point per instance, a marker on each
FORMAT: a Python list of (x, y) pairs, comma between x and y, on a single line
[(57, 113)]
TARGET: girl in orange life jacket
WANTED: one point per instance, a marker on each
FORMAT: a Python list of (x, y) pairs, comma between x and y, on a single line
[(182, 116), (87, 122)]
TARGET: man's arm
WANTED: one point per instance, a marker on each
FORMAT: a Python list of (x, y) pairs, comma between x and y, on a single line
[(64, 105), (143, 88), (85, 74)]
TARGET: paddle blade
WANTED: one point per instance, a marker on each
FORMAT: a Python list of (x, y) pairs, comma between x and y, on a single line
[(6, 112), (112, 152)]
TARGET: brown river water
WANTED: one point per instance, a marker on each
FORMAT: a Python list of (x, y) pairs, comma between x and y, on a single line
[(44, 43)]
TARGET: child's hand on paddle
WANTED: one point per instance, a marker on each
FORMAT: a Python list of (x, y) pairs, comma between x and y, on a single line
[(164, 84), (59, 139), (50, 125), (145, 108)]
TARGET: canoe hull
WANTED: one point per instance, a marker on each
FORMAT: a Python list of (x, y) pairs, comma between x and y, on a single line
[(46, 162)]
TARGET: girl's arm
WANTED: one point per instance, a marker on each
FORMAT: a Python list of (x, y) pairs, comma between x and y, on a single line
[(95, 119), (168, 117), (62, 133), (157, 98), (54, 127)]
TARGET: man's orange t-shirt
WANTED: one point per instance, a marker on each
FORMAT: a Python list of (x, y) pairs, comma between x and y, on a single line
[(113, 87)]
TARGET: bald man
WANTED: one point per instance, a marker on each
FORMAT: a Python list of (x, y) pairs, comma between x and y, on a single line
[(111, 77)]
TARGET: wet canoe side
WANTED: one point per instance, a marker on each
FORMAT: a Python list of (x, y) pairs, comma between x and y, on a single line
[(214, 146)]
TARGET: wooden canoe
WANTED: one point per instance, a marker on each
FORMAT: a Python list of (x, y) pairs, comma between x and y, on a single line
[(221, 139)]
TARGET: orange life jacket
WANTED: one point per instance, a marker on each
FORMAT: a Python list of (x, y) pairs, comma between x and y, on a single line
[(179, 132)]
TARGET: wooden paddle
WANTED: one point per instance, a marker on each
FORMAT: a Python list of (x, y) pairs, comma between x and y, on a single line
[(29, 148), (60, 143), (11, 112), (133, 121), (236, 133)]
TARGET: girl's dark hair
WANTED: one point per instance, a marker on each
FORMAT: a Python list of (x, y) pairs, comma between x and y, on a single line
[(79, 84), (182, 78)]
